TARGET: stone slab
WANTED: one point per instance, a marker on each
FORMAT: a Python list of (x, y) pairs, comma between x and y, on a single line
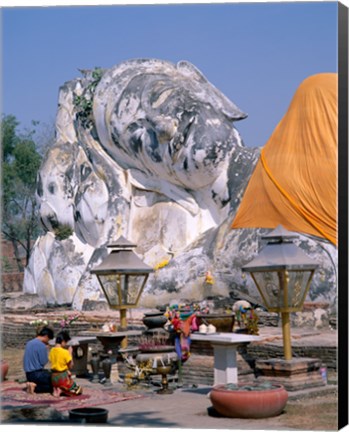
[(225, 338), (295, 374), (279, 366), (295, 384)]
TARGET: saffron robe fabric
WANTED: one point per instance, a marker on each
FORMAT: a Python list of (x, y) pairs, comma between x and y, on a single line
[(295, 180)]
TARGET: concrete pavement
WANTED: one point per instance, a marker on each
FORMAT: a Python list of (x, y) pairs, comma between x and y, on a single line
[(189, 407), (185, 408)]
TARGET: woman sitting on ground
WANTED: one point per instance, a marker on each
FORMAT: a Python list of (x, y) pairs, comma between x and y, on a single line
[(61, 362)]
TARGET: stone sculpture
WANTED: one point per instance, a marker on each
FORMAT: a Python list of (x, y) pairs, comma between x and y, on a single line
[(146, 149)]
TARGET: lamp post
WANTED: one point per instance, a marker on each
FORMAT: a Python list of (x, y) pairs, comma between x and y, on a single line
[(282, 273), (122, 276)]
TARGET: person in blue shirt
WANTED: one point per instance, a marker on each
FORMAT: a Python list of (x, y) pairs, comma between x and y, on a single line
[(34, 361)]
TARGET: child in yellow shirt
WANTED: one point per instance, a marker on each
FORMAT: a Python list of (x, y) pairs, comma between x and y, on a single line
[(61, 362)]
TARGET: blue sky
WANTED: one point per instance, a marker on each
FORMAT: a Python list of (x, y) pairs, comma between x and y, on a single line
[(257, 54)]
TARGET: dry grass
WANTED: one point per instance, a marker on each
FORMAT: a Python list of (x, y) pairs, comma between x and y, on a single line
[(14, 356), (316, 413)]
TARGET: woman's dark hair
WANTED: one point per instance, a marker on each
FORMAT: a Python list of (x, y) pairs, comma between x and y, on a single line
[(63, 336), (46, 331)]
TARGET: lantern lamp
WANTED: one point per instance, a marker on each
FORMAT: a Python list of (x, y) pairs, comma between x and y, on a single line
[(122, 276), (282, 273)]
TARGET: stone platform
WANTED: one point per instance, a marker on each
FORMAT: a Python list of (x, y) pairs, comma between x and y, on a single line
[(295, 374)]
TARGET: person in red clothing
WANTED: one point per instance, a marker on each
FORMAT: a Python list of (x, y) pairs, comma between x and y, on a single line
[(61, 362)]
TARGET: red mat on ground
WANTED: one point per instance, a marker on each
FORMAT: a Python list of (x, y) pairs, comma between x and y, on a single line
[(13, 395)]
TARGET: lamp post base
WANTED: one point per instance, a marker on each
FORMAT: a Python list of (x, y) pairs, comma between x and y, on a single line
[(295, 374)]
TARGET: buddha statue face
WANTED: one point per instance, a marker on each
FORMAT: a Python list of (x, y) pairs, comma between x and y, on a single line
[(167, 121)]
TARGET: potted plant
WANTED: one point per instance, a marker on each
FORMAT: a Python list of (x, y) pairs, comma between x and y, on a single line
[(253, 400), (154, 319)]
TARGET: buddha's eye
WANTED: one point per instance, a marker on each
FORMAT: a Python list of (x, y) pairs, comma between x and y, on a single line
[(161, 98)]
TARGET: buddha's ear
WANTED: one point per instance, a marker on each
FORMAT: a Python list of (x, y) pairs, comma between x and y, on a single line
[(186, 68)]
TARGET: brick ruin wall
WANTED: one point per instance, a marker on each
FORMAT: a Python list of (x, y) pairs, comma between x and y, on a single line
[(11, 278)]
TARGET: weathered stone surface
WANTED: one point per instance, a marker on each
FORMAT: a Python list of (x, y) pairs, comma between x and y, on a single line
[(148, 149), (20, 301), (143, 149), (224, 252), (295, 374)]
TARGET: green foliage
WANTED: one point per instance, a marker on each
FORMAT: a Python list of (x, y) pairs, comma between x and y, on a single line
[(8, 136), (63, 231), (84, 108), (6, 266), (84, 103), (20, 164), (26, 162)]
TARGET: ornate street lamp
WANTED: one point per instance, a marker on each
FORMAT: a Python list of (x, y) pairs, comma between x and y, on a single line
[(122, 276), (282, 273)]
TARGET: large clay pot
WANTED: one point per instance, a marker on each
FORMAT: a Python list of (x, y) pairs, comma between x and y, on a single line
[(4, 369), (154, 320), (222, 322), (241, 403)]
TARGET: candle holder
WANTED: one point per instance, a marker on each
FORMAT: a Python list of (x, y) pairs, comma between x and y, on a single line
[(164, 370)]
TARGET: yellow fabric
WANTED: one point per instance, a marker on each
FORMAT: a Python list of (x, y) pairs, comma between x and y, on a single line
[(59, 358), (295, 180)]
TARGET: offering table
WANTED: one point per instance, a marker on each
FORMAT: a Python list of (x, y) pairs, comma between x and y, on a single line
[(111, 340), (224, 349)]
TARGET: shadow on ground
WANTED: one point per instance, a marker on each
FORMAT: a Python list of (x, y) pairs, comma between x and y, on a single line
[(142, 418), (37, 414), (201, 390)]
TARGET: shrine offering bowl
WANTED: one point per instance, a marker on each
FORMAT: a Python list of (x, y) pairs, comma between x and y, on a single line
[(89, 415)]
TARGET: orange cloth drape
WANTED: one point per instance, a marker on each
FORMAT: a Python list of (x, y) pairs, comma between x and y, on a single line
[(295, 180)]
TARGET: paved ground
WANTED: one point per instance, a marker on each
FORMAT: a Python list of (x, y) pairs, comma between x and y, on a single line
[(185, 408), (191, 408)]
